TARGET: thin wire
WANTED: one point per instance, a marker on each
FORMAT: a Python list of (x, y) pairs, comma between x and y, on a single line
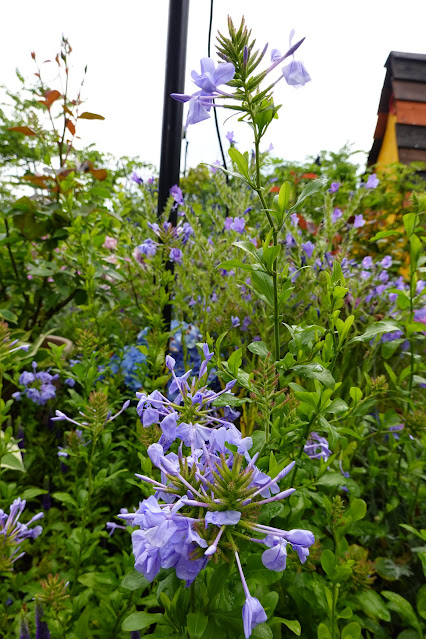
[(214, 110)]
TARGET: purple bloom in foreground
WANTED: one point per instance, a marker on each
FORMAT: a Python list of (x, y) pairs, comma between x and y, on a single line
[(295, 219), (253, 615), (13, 533), (208, 80), (235, 224), (296, 74), (224, 517), (210, 77), (337, 213), (196, 509), (309, 248), (334, 187), (372, 181), (42, 630), (290, 241), (358, 221), (136, 178), (230, 137), (176, 255), (420, 315), (148, 247), (177, 195), (253, 612), (24, 628), (275, 557), (235, 321), (367, 262), (317, 447), (386, 261)]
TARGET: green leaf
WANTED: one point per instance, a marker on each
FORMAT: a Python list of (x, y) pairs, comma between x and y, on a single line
[(12, 459), (134, 580), (351, 631), (421, 602), (328, 562), (373, 605), (256, 572), (8, 315), (382, 234), (263, 286), (262, 631), (357, 510), (258, 348), (403, 607), (337, 406), (409, 220), (292, 624), (65, 498), (355, 393), (419, 533), (258, 438), (345, 614), (32, 493), (323, 632), (332, 479), (315, 371), (228, 399), (284, 196), (197, 623), (312, 187), (378, 328), (140, 621), (240, 160), (234, 362), (389, 570), (228, 264)]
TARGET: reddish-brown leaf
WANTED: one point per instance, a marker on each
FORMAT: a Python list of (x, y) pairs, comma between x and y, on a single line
[(70, 127), (99, 174), (51, 96), (38, 180), (66, 109), (90, 116), (22, 129)]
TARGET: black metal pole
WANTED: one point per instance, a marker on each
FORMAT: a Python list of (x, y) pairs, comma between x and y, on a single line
[(171, 137)]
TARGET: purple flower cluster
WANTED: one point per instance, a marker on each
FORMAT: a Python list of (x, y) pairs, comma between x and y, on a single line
[(211, 77), (316, 447), (235, 224), (208, 81), (13, 533), (38, 386), (168, 234), (207, 495)]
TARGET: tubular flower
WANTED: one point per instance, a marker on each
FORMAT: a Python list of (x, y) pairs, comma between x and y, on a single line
[(209, 498), (13, 533), (208, 81)]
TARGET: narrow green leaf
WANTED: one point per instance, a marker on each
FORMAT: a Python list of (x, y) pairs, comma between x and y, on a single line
[(140, 621)]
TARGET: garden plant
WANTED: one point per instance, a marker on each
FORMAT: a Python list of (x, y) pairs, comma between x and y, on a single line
[(256, 466)]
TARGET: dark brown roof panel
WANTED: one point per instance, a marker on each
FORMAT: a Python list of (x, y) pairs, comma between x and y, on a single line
[(404, 69), (409, 136), (412, 155), (412, 91)]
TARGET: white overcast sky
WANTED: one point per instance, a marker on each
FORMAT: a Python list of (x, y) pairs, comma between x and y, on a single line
[(124, 45)]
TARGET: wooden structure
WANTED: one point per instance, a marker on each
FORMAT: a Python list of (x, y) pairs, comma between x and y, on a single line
[(400, 134)]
